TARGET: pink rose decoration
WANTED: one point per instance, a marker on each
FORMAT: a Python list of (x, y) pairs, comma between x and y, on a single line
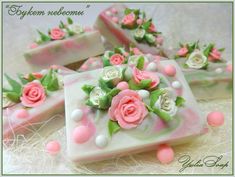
[(152, 28), (214, 55), (36, 75), (139, 75), (57, 34), (139, 21), (182, 52), (117, 59), (129, 20), (127, 109), (33, 46), (33, 94)]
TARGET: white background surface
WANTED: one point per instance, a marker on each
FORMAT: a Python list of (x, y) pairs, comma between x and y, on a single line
[(179, 22)]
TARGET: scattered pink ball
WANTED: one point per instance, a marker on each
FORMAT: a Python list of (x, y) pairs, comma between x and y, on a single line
[(123, 85), (114, 11), (157, 58), (88, 29), (229, 68), (33, 45), (165, 154), (139, 21), (53, 147), (170, 70), (159, 40), (215, 118), (115, 19), (81, 134), (21, 113), (84, 67)]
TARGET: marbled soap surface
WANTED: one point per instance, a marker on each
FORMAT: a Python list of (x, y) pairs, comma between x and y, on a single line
[(178, 22)]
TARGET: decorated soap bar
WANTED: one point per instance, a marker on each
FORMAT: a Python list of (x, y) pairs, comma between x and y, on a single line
[(31, 99), (204, 74), (63, 45), (118, 110), (122, 26)]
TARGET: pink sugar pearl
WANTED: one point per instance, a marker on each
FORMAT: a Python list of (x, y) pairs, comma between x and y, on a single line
[(81, 134), (139, 21), (229, 68), (33, 45), (123, 85), (170, 70), (115, 19), (53, 147), (165, 154), (114, 11), (215, 118), (21, 113)]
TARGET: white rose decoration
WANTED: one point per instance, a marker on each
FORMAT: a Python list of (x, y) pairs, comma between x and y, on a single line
[(133, 60), (166, 102), (197, 60), (76, 28), (112, 73), (96, 94), (6, 101)]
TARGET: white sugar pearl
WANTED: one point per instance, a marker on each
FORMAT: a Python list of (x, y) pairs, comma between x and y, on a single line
[(151, 67), (218, 70), (44, 72), (101, 141), (128, 73), (143, 94), (77, 115), (176, 84), (37, 81), (108, 13)]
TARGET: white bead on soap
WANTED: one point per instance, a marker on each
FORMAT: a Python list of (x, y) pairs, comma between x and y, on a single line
[(101, 141), (176, 84), (151, 67), (218, 70), (143, 94), (77, 115)]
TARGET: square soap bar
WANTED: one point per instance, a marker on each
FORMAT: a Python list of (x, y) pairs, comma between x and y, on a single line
[(217, 78), (36, 104), (66, 51), (93, 136), (123, 26)]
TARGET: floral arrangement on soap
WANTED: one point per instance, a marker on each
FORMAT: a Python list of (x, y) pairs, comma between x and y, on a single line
[(63, 31), (130, 94), (144, 31), (32, 90), (199, 58)]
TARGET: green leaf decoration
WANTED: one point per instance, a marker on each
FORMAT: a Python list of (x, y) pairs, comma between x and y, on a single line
[(162, 84), (53, 84), (119, 50), (61, 25), (127, 11), (191, 47), (31, 77), (71, 33), (13, 96), (87, 88), (105, 85), (162, 115), (208, 49), (145, 83), (106, 62), (147, 24), (104, 102), (43, 36), (154, 96), (205, 66), (113, 127), (89, 103), (143, 15), (221, 49), (70, 21), (176, 57), (150, 38), (133, 85), (155, 33), (135, 11), (114, 92), (140, 63), (179, 101), (16, 87), (22, 79), (47, 78), (149, 108), (50, 81), (185, 66), (181, 45)]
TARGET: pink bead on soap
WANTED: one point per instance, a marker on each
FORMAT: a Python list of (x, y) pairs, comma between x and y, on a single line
[(170, 70), (114, 11), (53, 147), (33, 46), (123, 85), (229, 68), (115, 19), (139, 21), (165, 154), (215, 118), (21, 113), (81, 134)]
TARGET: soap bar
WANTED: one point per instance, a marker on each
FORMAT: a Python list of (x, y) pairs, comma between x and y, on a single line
[(123, 26), (39, 97), (65, 45), (119, 110), (216, 79)]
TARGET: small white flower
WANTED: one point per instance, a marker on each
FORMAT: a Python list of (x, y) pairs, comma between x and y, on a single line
[(197, 60), (6, 101), (166, 102), (113, 73), (133, 60), (95, 95), (76, 28)]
